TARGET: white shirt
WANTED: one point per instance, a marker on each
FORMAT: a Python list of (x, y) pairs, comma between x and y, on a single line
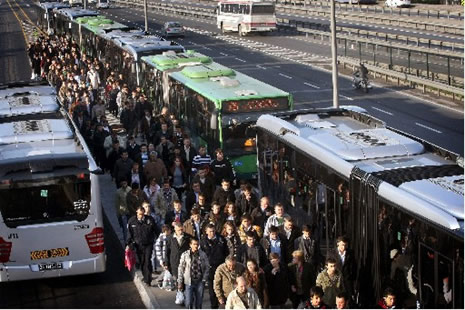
[(342, 256)]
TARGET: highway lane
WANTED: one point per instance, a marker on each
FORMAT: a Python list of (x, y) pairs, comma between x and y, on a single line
[(379, 54), (355, 24), (311, 87)]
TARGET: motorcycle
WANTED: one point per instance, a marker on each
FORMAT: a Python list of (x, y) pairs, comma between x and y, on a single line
[(358, 82)]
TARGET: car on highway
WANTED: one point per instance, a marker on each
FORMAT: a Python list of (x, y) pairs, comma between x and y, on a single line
[(171, 29), (102, 4), (398, 3)]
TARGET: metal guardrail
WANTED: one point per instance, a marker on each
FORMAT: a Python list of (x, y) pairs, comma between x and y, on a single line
[(407, 79), (363, 8), (401, 77), (374, 18)]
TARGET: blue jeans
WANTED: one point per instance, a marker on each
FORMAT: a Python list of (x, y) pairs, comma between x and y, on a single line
[(123, 223), (193, 295)]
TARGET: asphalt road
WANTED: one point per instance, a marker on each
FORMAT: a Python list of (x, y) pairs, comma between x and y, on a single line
[(311, 86)]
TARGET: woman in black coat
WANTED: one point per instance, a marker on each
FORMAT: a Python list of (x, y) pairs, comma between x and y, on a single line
[(277, 280)]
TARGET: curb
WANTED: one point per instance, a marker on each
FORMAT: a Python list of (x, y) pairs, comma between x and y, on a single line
[(146, 293)]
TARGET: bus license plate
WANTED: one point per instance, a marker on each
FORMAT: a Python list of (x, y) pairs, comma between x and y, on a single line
[(51, 266)]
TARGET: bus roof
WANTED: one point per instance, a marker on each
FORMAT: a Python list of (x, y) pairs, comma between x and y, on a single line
[(171, 59), (411, 175), (219, 83), (139, 45), (38, 133), (99, 24), (53, 5), (73, 13), (30, 100)]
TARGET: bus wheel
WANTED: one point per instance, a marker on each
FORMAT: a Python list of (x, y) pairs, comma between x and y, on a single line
[(241, 34)]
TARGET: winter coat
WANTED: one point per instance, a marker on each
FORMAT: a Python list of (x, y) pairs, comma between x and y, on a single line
[(155, 169), (235, 302), (331, 286), (211, 218), (311, 249), (185, 266), (208, 187), (225, 280), (257, 253), (246, 206), (308, 277), (266, 244), (294, 235), (278, 285), (222, 170), (215, 249), (259, 216), (122, 169), (174, 251), (121, 205), (135, 201), (222, 197), (171, 216), (141, 233), (162, 206)]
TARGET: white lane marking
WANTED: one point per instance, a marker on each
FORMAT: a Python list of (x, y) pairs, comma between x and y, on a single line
[(224, 54), (311, 85), (241, 60), (260, 67), (345, 97), (286, 76), (382, 111), (429, 128)]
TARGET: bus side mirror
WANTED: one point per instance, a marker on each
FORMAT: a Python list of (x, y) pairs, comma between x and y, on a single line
[(214, 121)]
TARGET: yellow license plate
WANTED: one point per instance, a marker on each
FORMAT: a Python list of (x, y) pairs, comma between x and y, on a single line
[(44, 254)]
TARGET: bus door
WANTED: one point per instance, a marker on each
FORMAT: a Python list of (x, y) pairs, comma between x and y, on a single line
[(437, 282)]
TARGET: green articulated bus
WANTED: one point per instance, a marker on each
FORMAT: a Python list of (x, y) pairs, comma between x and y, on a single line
[(217, 104)]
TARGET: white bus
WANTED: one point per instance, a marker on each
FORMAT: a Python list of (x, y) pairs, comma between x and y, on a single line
[(347, 173), (246, 16), (51, 222)]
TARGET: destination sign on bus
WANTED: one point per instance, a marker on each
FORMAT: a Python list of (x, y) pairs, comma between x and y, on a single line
[(266, 104)]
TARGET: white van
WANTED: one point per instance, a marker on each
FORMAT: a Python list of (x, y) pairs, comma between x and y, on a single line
[(103, 4), (397, 3)]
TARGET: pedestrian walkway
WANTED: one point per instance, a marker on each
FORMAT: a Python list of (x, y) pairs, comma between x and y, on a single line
[(151, 296)]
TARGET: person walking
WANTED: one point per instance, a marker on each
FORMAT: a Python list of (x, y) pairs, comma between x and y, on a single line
[(243, 297), (216, 249), (193, 272), (225, 278), (331, 281), (176, 244), (121, 206), (302, 277), (277, 280), (255, 278), (141, 236)]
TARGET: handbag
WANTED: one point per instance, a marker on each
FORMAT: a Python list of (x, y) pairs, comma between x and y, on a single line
[(129, 258), (179, 298)]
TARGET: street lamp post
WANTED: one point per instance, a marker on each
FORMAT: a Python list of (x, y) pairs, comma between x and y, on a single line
[(146, 17), (334, 55)]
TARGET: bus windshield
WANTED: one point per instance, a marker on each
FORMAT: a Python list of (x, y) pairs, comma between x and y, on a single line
[(45, 201), (263, 9)]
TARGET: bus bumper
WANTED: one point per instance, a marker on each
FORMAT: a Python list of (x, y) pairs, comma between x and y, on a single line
[(70, 268)]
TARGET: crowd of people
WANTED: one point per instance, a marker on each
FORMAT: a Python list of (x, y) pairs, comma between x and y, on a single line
[(185, 212)]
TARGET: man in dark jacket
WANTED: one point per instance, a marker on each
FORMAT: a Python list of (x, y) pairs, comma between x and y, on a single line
[(123, 166), (251, 249), (177, 215), (309, 245), (207, 183), (345, 263), (192, 197), (141, 236), (222, 168), (247, 200), (129, 118), (291, 233), (224, 193), (215, 217), (177, 244), (215, 247), (135, 198), (261, 213)]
